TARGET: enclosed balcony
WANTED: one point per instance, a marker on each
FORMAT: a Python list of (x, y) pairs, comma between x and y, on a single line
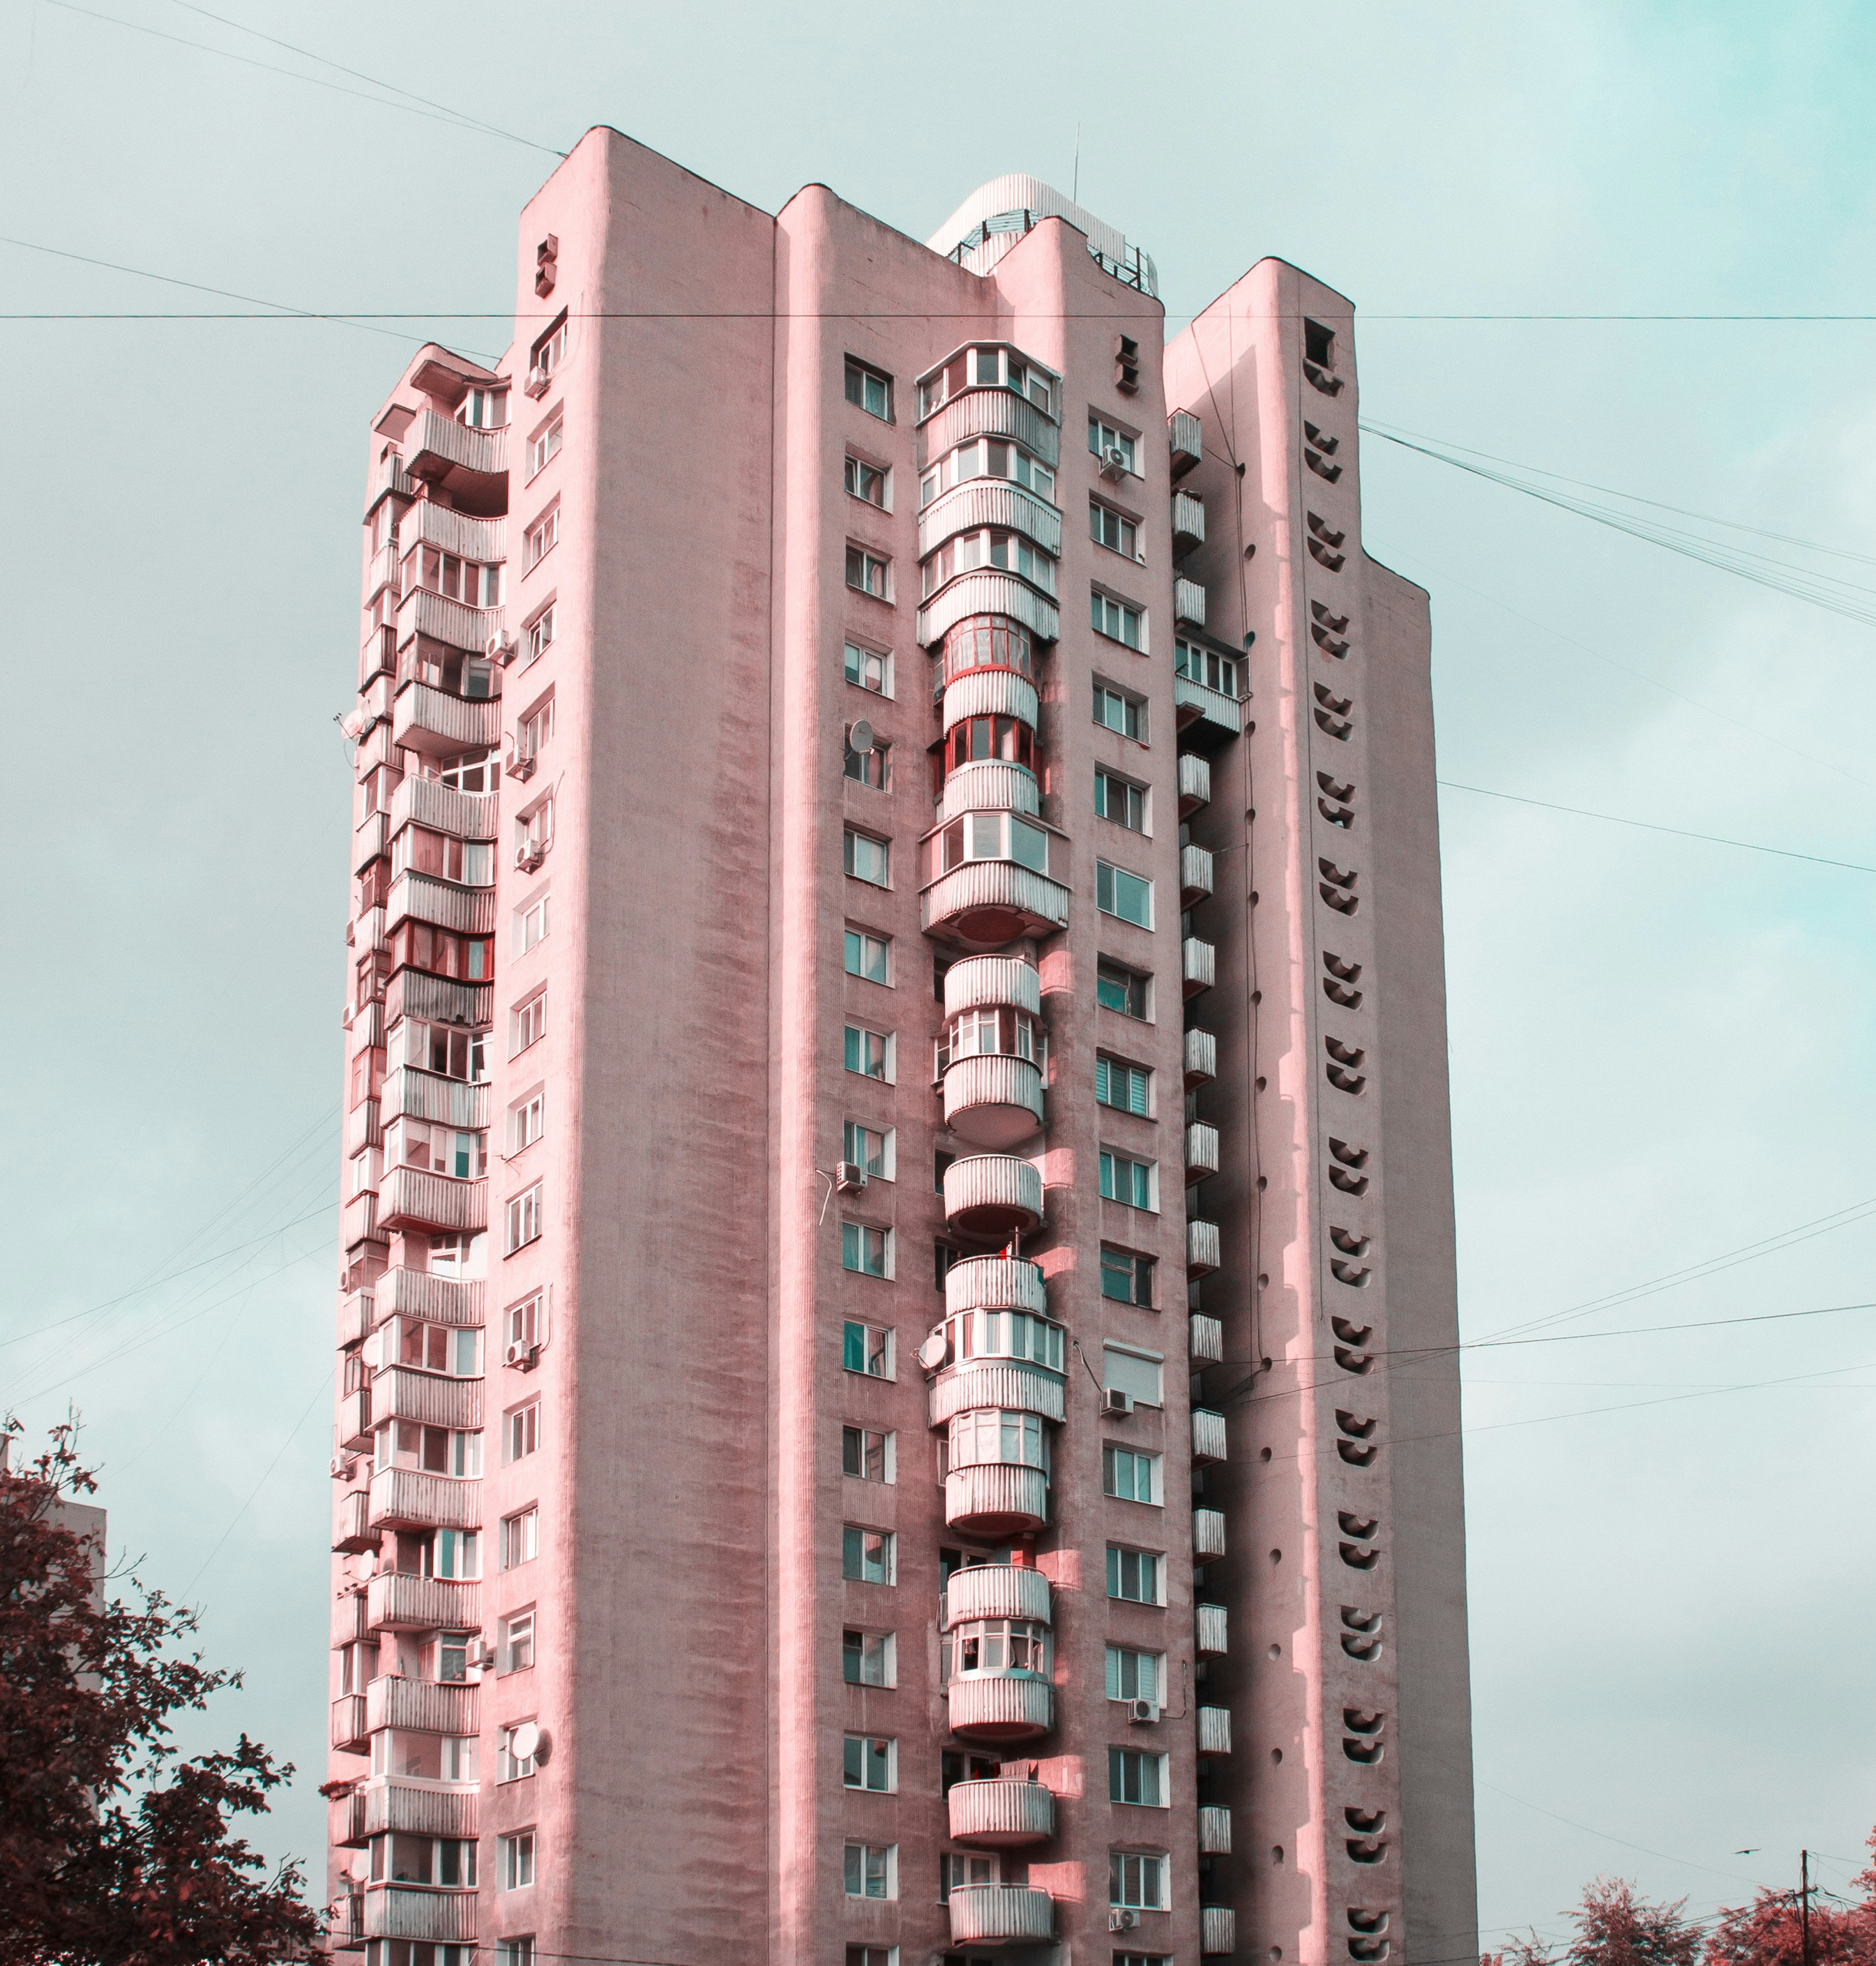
[(1195, 782), (1188, 522), (990, 692), (1198, 965), (986, 902), (977, 502), (406, 1498), (1217, 1929), (986, 642), (1001, 1813), (993, 1914), (1184, 441), (989, 785), (421, 1706), (997, 1477), (1188, 602), (993, 1194), (997, 1707), (993, 1050), (988, 411), (471, 465), (1201, 1058), (411, 1199), (1208, 1533), (396, 1601), (1204, 1249), (1196, 875), (414, 1911), (1011, 1357), (350, 1732), (1201, 1151), (416, 1808), (995, 1590), (988, 592), (352, 1529), (432, 720)]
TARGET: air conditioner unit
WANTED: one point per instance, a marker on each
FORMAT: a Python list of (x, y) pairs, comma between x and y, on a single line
[(524, 1358), (499, 648), (1142, 1712), (1114, 1400), (341, 1466), (520, 765), (537, 381), (1121, 1919), (530, 854), (1113, 461), (848, 1177)]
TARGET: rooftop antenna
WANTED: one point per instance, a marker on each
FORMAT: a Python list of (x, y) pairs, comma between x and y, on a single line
[(1075, 195)]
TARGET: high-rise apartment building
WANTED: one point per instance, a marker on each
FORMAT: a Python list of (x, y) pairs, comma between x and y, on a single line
[(898, 1403)]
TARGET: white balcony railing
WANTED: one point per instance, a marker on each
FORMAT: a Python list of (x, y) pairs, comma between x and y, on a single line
[(995, 1590), (999, 1814)]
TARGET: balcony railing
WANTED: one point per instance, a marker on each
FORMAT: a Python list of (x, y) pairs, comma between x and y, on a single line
[(1195, 782), (1214, 1730), (405, 1498), (992, 902), (1210, 1628), (988, 592), (422, 897), (411, 1911), (1196, 874), (1184, 440), (431, 1398), (439, 446), (428, 1095), (992, 1706), (995, 1283), (350, 1625), (995, 1590), (422, 801), (1214, 1830), (989, 501), (987, 1913), (418, 1808), (1193, 702), (997, 1499), (1001, 1815), (412, 993), (352, 1529), (1188, 522), (1208, 1532), (991, 693), (996, 1382), (425, 719), (421, 1706), (1201, 1151), (431, 524), (1188, 602), (438, 1299), (437, 618), (1217, 1929), (396, 1601), (1201, 1057), (1204, 1248), (989, 1195), (989, 785), (1207, 1341), (989, 412), (995, 981), (992, 1100), (409, 1199), (1208, 1435), (351, 1724), (1198, 965)]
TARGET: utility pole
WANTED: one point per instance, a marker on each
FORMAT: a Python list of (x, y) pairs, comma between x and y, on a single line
[(1804, 1904)]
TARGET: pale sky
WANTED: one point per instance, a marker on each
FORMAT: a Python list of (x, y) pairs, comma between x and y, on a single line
[(1661, 1047)]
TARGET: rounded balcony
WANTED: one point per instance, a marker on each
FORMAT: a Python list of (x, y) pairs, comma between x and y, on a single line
[(997, 1498), (993, 1101), (993, 1194), (1000, 1814), (986, 1914), (987, 642), (990, 693), (1000, 1707), (989, 785), (995, 1590), (973, 503), (988, 591), (979, 1384), (980, 982), (995, 1283), (989, 903)]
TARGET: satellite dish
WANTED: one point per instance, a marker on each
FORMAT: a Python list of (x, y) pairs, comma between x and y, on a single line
[(525, 1742), (860, 737), (931, 1354)]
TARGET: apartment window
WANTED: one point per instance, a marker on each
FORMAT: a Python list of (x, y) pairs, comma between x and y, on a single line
[(1137, 1373), (1135, 1675), (1103, 440), (1130, 1477), (525, 1323), (866, 1658), (940, 1160), (988, 835), (868, 1762), (434, 1450), (1119, 620), (528, 1023), (872, 1870), (957, 1871), (533, 734), (866, 481), (1118, 711), (514, 1952), (1123, 1178), (1005, 552), (524, 1219), (866, 1249), (520, 1538), (873, 1955), (1123, 895), (872, 767), (867, 956), (870, 389), (943, 1255), (1137, 1776), (868, 573), (530, 924), (866, 1348), (436, 1348), (866, 1455), (866, 858), (520, 1432), (450, 1252), (1129, 1088), (470, 771), (1117, 799), (510, 1766), (987, 457), (543, 447), (1121, 989), (484, 409), (453, 1150), (1108, 528), (538, 637), (1127, 1277), (868, 1556), (1207, 668), (869, 1052), (541, 538), (515, 1861), (453, 1053), (869, 669), (1137, 1879), (525, 1121), (517, 1642), (417, 850), (869, 1147), (549, 351)]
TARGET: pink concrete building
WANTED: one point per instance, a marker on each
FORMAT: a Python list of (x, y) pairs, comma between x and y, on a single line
[(898, 1263)]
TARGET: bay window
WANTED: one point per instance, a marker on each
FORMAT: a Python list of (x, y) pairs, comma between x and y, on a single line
[(988, 835), (1007, 738), (1009, 552), (987, 457), (1002, 1334), (1207, 668)]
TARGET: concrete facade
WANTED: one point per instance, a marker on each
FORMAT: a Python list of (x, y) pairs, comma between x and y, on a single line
[(895, 1065)]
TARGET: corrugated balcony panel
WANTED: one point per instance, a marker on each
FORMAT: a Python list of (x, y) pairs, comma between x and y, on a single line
[(370, 841), (1184, 440), (421, 1706), (1208, 1532), (1207, 1341), (994, 901), (1209, 1623), (435, 1000), (1196, 874), (421, 801), (431, 1399), (1208, 1435), (411, 1200), (1188, 602), (989, 501), (455, 623), (1194, 781), (435, 445), (989, 412), (989, 785), (420, 1808), (999, 1814), (368, 932), (374, 749), (1214, 1830), (430, 524), (350, 1625), (377, 655), (1188, 522), (348, 1924), (990, 1194), (987, 592), (396, 1601), (992, 1100), (364, 1126), (427, 719), (355, 1317), (995, 1590), (1198, 965), (997, 1499), (366, 1029), (1214, 1730), (990, 693), (995, 1383), (1212, 706), (1205, 1249), (402, 1293), (355, 1423), (995, 1283), (999, 981), (352, 1529), (1201, 1151), (422, 897), (404, 1498), (358, 1221), (1217, 1929), (350, 1726), (383, 569), (345, 1821), (1201, 1057), (428, 1095), (413, 1911), (992, 1707), (985, 1913)]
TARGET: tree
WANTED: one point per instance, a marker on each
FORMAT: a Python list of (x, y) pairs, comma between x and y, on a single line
[(1615, 1927), (114, 1850), (1769, 1932)]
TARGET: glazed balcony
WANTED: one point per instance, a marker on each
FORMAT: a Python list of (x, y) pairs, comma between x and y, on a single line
[(977, 502), (1188, 602), (431, 525), (986, 642), (1214, 1830), (993, 1194), (1195, 782), (1184, 441), (410, 1199), (1000, 1706), (420, 801), (421, 1706), (1217, 1929), (409, 1094), (1208, 1533), (432, 720), (996, 1499), (1201, 1152), (438, 1299), (982, 1383), (443, 903), (993, 1914), (1188, 522), (995, 1590), (396, 1601), (988, 411), (431, 1398), (1198, 965), (991, 693), (986, 904), (350, 1730), (418, 1911), (1196, 703), (1000, 1814), (352, 1529), (1206, 1344), (418, 1808), (405, 1498), (1201, 1058), (455, 623), (1204, 1249), (987, 591), (992, 1100), (1196, 875), (989, 784), (451, 454), (1214, 1730)]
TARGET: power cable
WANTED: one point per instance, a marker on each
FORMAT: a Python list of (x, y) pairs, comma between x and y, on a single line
[(262, 1483)]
